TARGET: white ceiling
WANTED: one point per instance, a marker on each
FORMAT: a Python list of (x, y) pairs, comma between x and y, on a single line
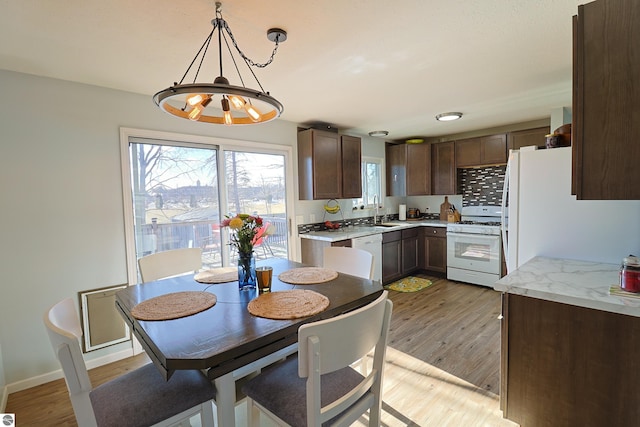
[(360, 65)]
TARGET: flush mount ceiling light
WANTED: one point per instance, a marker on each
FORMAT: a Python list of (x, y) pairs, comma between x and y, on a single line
[(379, 133), (447, 117), (236, 105)]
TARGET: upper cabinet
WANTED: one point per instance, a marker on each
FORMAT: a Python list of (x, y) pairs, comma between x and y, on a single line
[(443, 168), (523, 138), (606, 100), (408, 169), (482, 151), (328, 165)]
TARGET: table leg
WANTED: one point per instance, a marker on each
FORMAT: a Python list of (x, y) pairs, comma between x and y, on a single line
[(226, 399)]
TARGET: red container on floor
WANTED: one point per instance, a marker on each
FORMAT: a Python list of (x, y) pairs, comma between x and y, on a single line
[(630, 274)]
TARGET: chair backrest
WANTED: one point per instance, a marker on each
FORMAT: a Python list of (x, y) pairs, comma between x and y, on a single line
[(65, 332), (356, 262), (332, 344), (169, 263)]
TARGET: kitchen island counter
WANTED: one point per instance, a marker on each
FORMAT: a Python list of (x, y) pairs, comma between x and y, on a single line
[(568, 348), (580, 283)]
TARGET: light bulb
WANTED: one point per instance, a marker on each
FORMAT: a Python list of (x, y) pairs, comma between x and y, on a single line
[(195, 99), (228, 119), (252, 112), (196, 112), (237, 101)]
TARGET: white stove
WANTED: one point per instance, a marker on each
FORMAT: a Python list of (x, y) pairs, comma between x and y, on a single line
[(474, 249)]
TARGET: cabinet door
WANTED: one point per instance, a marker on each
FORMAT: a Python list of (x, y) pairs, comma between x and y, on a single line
[(319, 165), (409, 255), (527, 137), (493, 149), (396, 157), (468, 152), (435, 254), (418, 169), (327, 165), (410, 250), (351, 167), (606, 128), (391, 261), (443, 168)]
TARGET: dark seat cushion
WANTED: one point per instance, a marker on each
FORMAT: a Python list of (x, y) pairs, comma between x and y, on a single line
[(280, 390), (143, 397)]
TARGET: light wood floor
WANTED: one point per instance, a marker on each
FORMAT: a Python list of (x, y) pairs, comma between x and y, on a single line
[(442, 364)]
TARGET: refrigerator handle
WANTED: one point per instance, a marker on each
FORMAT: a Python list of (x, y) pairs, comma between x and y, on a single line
[(503, 210)]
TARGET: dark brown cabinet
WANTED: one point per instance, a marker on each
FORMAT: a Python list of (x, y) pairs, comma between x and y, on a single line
[(408, 169), (527, 137), (351, 147), (606, 101), (443, 168), (563, 365), (391, 256), (481, 151), (329, 165), (410, 250), (433, 249), (400, 251)]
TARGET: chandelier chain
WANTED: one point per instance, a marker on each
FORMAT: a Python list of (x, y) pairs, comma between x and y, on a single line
[(247, 59)]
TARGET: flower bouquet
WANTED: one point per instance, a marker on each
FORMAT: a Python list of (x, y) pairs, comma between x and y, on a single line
[(245, 230)]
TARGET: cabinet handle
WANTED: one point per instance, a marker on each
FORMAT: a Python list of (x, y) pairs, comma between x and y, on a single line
[(435, 231)]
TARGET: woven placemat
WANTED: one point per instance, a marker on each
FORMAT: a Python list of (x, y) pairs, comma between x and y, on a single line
[(283, 305), (217, 275), (307, 275), (174, 305)]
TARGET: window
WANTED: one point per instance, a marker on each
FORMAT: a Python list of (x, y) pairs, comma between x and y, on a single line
[(371, 182), (178, 189)]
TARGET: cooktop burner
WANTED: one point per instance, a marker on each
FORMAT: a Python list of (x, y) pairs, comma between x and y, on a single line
[(496, 223)]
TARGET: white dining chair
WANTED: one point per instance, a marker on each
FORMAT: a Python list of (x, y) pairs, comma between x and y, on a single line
[(170, 263), (349, 261), (319, 385), (139, 398)]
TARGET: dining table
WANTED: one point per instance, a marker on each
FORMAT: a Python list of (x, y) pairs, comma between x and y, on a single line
[(226, 341)]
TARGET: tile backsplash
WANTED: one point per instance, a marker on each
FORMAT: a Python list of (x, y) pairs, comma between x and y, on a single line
[(481, 186)]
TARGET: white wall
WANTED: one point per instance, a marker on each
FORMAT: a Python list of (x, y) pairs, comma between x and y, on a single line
[(61, 220)]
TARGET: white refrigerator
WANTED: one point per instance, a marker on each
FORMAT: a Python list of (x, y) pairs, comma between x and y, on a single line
[(544, 219)]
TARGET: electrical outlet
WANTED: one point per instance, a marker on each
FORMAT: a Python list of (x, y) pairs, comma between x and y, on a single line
[(312, 218)]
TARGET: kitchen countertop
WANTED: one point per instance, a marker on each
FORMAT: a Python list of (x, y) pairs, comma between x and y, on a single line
[(362, 231), (579, 283)]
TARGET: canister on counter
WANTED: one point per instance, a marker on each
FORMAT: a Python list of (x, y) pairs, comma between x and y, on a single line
[(630, 274)]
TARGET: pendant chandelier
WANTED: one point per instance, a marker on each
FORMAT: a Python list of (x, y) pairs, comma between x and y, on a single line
[(220, 102)]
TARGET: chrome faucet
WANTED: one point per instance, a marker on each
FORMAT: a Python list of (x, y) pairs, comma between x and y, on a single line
[(375, 202)]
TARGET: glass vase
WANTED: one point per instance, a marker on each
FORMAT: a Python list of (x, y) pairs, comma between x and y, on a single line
[(246, 271)]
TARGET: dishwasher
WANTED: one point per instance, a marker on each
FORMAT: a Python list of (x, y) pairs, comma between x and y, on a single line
[(373, 245)]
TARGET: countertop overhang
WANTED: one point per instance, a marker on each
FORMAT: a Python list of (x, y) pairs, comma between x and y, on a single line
[(362, 231), (574, 282)]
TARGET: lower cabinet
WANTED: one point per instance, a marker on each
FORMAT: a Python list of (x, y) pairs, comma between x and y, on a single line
[(563, 365), (433, 249), (312, 251), (391, 256), (400, 251)]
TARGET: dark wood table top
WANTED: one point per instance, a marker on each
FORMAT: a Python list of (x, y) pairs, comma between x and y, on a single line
[(226, 336)]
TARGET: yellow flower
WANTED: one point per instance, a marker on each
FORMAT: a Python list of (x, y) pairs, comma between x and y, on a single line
[(236, 223)]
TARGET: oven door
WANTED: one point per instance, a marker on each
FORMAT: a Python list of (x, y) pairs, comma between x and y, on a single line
[(475, 252)]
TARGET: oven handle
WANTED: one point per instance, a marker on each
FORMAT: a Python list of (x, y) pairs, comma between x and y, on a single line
[(478, 236)]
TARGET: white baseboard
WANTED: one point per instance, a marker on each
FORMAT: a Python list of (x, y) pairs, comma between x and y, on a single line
[(57, 374)]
